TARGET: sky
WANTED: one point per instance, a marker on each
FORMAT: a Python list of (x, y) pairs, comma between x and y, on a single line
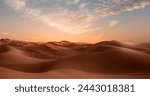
[(75, 20)]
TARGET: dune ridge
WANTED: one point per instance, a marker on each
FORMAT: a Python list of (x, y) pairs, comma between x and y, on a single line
[(106, 59)]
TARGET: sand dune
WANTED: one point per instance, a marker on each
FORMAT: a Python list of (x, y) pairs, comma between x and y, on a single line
[(107, 59), (3, 48), (15, 56)]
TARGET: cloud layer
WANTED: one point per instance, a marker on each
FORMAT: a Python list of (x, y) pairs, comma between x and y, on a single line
[(73, 16)]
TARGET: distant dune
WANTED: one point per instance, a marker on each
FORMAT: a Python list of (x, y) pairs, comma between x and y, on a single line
[(106, 59)]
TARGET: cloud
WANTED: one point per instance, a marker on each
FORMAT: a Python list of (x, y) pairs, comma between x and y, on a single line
[(73, 1), (113, 23), (113, 7), (73, 16), (5, 34), (16, 4)]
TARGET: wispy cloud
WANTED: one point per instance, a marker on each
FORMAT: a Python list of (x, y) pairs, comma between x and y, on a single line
[(16, 4), (113, 7), (73, 16), (5, 34), (113, 23)]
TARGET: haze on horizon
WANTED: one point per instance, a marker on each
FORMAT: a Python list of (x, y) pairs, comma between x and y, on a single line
[(75, 20)]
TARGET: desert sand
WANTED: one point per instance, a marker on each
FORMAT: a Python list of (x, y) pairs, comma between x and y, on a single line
[(106, 59)]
